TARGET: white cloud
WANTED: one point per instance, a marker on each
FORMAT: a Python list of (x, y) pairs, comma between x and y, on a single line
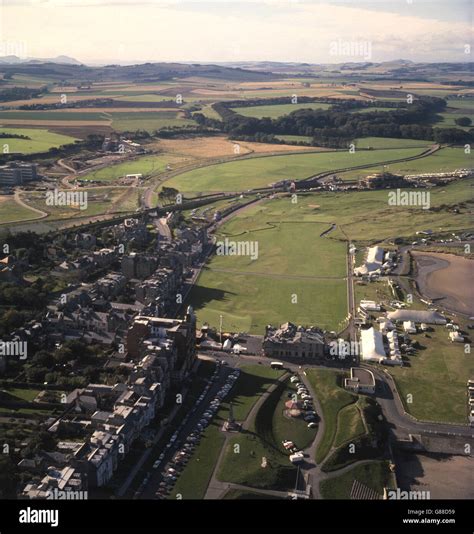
[(249, 30)]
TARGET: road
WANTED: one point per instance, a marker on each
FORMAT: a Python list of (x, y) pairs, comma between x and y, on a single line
[(156, 478)]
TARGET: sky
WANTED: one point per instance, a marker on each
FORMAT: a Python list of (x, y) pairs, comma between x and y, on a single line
[(128, 31)]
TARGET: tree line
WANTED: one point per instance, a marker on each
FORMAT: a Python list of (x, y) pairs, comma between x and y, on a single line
[(337, 127)]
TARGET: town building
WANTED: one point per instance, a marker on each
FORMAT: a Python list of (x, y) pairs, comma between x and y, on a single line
[(17, 173), (291, 341), (360, 381)]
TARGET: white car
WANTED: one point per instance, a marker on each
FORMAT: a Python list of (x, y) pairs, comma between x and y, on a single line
[(312, 424)]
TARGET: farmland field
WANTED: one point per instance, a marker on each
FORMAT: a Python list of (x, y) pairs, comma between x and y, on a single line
[(53, 115), (40, 140), (149, 121), (277, 110)]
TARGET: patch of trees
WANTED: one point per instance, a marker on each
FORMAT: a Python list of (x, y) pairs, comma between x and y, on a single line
[(337, 127), (19, 93), (99, 103), (55, 367), (463, 121), (6, 135)]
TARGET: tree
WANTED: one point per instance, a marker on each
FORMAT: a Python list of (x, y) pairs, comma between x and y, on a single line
[(463, 121)]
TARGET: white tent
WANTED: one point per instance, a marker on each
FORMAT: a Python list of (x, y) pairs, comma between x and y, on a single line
[(372, 345)]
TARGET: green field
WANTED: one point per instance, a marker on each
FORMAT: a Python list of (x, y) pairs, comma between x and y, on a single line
[(277, 110), (10, 211), (326, 384), (40, 140), (373, 110), (261, 171), (389, 142), (147, 97), (375, 475), (366, 215), (145, 165), (241, 289), (54, 115), (147, 120), (442, 363), (466, 105), (446, 159), (448, 119)]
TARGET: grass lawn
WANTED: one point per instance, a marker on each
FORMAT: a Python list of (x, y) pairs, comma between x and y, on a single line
[(375, 475), (193, 481), (246, 453), (290, 428), (40, 140), (441, 363), (24, 394), (277, 110), (333, 398), (378, 291), (10, 211), (349, 424), (242, 289), (261, 171), (252, 382), (248, 303)]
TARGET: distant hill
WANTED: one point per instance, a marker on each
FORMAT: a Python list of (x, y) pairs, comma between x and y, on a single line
[(72, 71), (62, 60)]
